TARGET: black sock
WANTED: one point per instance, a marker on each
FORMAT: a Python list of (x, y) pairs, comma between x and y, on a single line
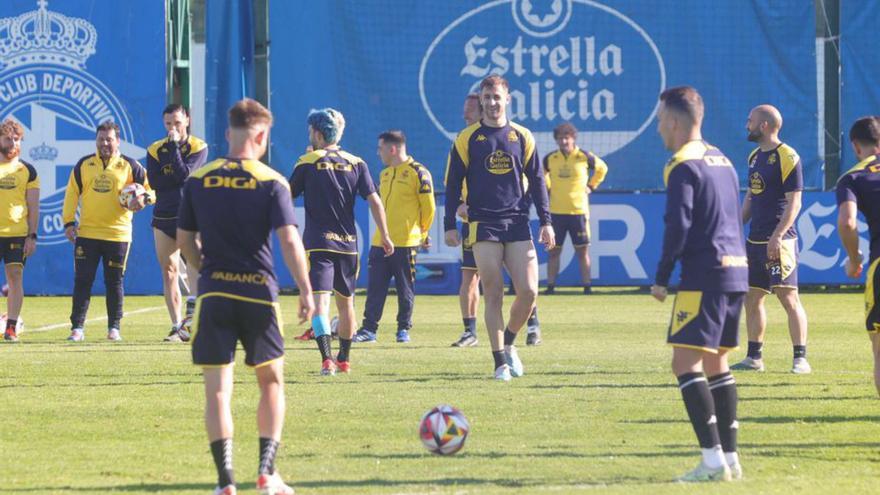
[(800, 351), (222, 452), (324, 346), (723, 389), (588, 289), (344, 347), (551, 287), (700, 408), (470, 325), (755, 349), (499, 358), (533, 318), (268, 449), (509, 337), (11, 324)]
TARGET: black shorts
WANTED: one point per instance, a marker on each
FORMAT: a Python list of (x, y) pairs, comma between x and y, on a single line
[(12, 250), (706, 320), (577, 226), (220, 322), (331, 271), (498, 232), (467, 251), (767, 275), (168, 226), (872, 297)]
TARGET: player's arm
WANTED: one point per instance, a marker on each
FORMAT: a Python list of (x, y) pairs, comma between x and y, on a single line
[(678, 220), (538, 190), (600, 170), (427, 207), (295, 258), (747, 208), (298, 180), (32, 199), (187, 230), (792, 186), (189, 163), (455, 173), (139, 176), (71, 202), (847, 225), (378, 212)]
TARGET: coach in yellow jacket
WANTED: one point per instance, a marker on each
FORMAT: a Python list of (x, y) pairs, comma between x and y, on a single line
[(104, 228), (408, 198)]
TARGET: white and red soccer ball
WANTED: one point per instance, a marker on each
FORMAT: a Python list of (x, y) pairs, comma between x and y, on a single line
[(129, 194), (443, 430)]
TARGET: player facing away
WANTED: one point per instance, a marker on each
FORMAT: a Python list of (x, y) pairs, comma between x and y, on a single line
[(493, 157), (773, 201), (233, 204), (571, 175), (170, 161), (20, 197), (407, 194), (859, 190), (329, 179), (103, 233), (703, 229)]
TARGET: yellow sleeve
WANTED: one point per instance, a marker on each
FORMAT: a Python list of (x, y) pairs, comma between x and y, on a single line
[(71, 200), (427, 207), (600, 170)]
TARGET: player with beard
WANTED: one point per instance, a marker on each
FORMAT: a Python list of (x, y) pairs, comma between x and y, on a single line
[(20, 197)]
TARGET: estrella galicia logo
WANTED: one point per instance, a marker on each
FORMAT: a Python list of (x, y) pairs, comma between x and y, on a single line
[(45, 87), (566, 60)]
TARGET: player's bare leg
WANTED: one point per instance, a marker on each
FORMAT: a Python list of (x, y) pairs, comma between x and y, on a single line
[(797, 327), (490, 259), (553, 261), (14, 299), (582, 253), (687, 365), (875, 349), (756, 324), (521, 260), (168, 256), (469, 300), (345, 308), (270, 422), (218, 420)]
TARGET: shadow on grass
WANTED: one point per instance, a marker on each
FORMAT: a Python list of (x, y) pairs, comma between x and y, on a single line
[(527, 455), (606, 385), (146, 487), (767, 420)]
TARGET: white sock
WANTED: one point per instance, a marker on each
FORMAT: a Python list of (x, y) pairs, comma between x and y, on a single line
[(714, 457), (732, 458)]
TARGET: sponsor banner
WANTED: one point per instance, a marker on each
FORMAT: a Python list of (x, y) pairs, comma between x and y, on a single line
[(597, 63), (65, 67), (626, 239), (859, 71)]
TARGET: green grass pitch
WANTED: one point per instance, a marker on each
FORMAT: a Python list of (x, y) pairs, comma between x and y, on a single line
[(597, 412)]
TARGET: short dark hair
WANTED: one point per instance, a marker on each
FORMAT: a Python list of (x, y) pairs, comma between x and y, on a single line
[(494, 80), (248, 113), (684, 100), (393, 136), (108, 125), (866, 130), (176, 107), (565, 129)]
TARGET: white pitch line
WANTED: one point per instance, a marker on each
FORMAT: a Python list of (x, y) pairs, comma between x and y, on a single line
[(91, 320)]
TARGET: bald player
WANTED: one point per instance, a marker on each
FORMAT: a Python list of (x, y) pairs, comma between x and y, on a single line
[(859, 190), (773, 201)]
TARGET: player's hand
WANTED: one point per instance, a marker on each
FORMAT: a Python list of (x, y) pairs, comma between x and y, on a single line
[(426, 244), (462, 211), (452, 238), (174, 136), (387, 246), (853, 267), (70, 232), (139, 203), (30, 245), (547, 237), (659, 293), (306, 306), (773, 247)]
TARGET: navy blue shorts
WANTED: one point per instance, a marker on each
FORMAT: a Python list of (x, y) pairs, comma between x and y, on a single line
[(220, 322), (168, 226), (467, 251), (767, 275), (872, 297), (498, 232), (331, 271), (12, 250), (577, 226), (706, 320)]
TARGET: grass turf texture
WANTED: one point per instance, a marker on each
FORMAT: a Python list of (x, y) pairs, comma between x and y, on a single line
[(598, 410)]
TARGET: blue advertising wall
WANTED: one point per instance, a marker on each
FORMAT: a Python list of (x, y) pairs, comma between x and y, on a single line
[(107, 63), (600, 64), (859, 69)]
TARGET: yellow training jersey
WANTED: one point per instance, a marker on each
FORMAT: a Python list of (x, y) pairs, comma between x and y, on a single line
[(97, 185), (16, 177), (568, 178), (408, 197)]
